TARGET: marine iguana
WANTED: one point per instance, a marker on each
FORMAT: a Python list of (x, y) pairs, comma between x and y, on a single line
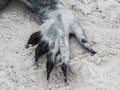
[(53, 35)]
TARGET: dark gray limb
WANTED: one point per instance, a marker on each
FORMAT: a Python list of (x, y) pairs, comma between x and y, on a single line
[(41, 49), (34, 39)]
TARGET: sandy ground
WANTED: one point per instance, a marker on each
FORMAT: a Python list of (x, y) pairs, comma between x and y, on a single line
[(101, 22)]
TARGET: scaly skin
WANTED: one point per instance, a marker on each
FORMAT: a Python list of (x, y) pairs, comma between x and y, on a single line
[(3, 3), (53, 35)]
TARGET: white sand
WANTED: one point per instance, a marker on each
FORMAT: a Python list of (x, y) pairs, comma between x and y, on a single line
[(101, 21)]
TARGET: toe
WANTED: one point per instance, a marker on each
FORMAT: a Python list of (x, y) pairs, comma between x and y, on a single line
[(34, 38), (93, 52), (51, 58), (64, 69), (64, 51), (49, 67)]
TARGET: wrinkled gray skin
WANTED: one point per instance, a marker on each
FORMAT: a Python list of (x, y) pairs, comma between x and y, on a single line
[(53, 35)]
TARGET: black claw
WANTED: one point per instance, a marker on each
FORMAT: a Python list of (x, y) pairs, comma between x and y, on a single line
[(89, 48), (65, 79), (34, 38), (36, 59), (49, 67), (36, 63), (93, 52), (64, 69)]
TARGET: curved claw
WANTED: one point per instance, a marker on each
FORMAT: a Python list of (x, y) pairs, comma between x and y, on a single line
[(64, 69), (34, 39), (49, 67), (87, 46), (93, 52)]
